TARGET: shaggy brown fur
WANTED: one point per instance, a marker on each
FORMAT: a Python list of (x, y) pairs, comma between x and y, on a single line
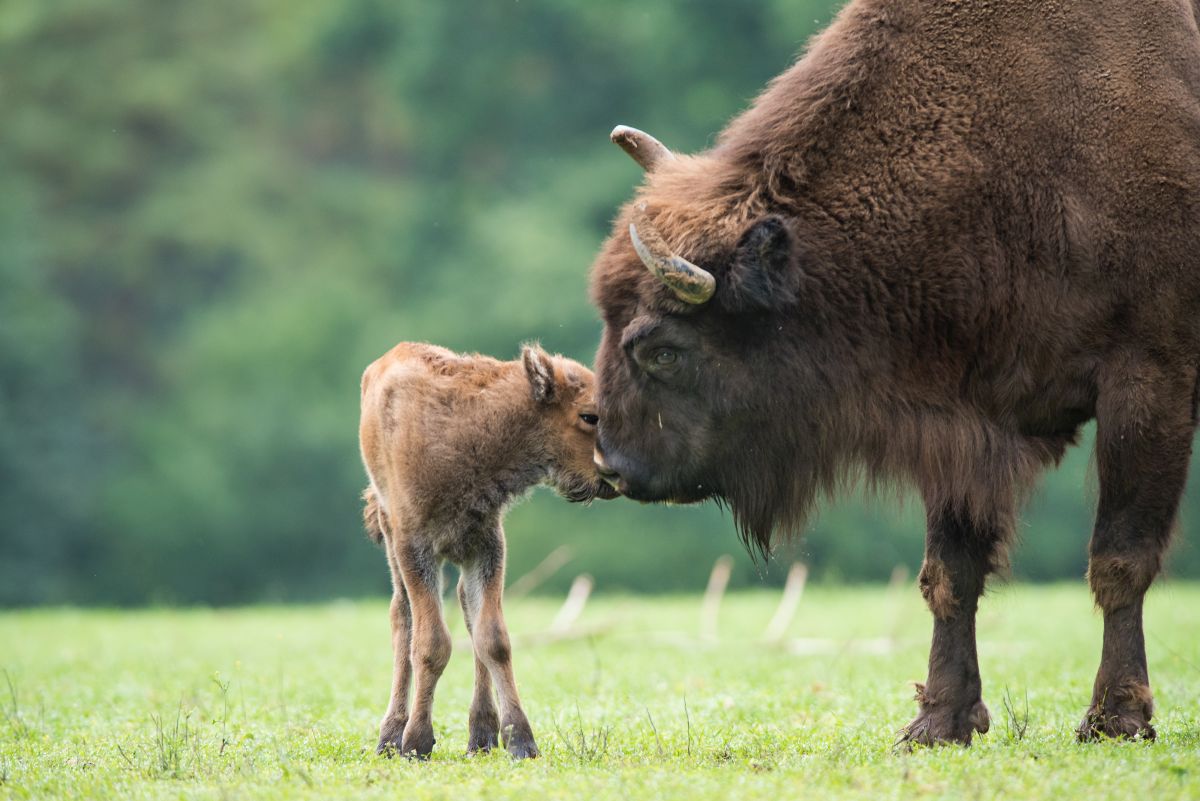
[(946, 238), (448, 442), (936, 588)]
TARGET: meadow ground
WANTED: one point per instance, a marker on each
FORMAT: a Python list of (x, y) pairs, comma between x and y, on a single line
[(283, 703)]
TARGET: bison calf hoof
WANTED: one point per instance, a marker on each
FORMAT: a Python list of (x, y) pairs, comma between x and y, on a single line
[(483, 738), (519, 742), (938, 725), (1099, 723), (391, 737), (418, 742)]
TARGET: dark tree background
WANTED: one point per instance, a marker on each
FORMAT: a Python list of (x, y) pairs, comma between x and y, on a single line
[(215, 214)]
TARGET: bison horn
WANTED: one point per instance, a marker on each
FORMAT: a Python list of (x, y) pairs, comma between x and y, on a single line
[(690, 283), (641, 146)]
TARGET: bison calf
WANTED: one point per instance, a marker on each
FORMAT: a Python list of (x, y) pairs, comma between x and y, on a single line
[(448, 441)]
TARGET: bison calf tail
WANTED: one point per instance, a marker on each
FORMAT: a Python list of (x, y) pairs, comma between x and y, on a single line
[(372, 515)]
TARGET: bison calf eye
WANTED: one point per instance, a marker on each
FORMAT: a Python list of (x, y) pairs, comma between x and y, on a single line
[(665, 357), (590, 419)]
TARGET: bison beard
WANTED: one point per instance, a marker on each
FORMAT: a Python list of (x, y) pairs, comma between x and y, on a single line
[(928, 253), (772, 483), (771, 492)]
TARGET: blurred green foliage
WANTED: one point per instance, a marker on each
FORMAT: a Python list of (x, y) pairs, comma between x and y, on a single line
[(217, 213)]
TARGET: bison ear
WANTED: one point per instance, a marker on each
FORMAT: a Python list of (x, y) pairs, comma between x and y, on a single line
[(539, 369), (762, 276)]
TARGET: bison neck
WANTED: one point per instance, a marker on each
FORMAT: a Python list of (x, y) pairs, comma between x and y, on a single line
[(917, 373), (507, 458), (518, 465)]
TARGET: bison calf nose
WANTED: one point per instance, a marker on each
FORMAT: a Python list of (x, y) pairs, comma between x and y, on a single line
[(606, 472)]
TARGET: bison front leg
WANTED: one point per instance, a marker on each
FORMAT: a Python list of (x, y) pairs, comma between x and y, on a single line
[(958, 556), (1145, 422)]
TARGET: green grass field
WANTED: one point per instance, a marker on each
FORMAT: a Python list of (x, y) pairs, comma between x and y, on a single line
[(283, 703)]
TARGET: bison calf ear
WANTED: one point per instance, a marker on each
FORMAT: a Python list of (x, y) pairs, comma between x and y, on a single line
[(539, 368), (762, 275)]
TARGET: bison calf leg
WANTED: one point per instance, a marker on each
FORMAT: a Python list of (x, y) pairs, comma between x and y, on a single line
[(484, 590), (391, 728), (958, 557), (1145, 422), (484, 721), (430, 644)]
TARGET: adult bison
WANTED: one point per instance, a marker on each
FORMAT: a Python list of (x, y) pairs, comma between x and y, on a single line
[(931, 250)]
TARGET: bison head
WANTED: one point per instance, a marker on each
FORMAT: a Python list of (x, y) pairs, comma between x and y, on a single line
[(702, 388)]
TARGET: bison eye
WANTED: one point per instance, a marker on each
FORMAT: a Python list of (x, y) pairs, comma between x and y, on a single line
[(590, 419), (665, 357)]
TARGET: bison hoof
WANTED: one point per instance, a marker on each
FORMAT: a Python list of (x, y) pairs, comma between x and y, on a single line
[(1119, 710), (1124, 724), (519, 742), (418, 742), (937, 725), (482, 739), (391, 737)]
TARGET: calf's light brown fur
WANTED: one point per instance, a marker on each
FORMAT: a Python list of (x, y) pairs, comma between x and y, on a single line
[(448, 442)]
